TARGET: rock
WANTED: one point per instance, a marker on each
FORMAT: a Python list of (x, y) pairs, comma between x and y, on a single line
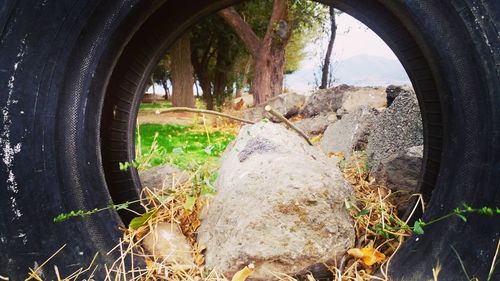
[(279, 205), (324, 101), (354, 98), (397, 128), (316, 125), (163, 177), (287, 105), (246, 98), (349, 133), (400, 171), (393, 91), (167, 241)]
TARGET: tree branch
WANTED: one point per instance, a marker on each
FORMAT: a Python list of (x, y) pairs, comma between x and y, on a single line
[(282, 118), (279, 12), (205, 111), (242, 28)]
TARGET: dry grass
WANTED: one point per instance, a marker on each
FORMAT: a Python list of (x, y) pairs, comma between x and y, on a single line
[(180, 204), (377, 224), (373, 210)]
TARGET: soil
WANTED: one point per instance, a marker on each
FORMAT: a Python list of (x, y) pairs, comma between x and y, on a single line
[(172, 118)]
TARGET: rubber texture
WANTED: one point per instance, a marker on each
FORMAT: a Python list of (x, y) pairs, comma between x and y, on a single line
[(72, 74)]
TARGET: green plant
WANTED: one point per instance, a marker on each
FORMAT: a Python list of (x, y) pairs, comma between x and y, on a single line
[(460, 212), (85, 213)]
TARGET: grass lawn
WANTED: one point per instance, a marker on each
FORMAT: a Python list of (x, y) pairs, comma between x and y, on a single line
[(185, 146), (158, 105)]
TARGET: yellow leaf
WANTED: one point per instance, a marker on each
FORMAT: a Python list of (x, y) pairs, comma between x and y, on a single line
[(199, 260), (243, 274), (150, 264), (355, 252), (368, 255), (315, 139), (195, 224)]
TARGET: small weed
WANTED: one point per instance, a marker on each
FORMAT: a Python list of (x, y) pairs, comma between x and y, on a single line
[(85, 213)]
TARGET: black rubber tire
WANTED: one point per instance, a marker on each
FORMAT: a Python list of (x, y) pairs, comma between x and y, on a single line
[(72, 73)]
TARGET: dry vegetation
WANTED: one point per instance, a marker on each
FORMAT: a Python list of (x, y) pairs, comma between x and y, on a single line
[(379, 231)]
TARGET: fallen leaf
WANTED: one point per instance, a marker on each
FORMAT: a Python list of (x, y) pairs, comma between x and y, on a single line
[(199, 260), (338, 154), (243, 274), (315, 139), (137, 222), (150, 264), (189, 203), (368, 255)]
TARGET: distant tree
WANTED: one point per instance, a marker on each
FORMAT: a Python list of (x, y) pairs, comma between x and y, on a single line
[(326, 77), (162, 74), (182, 72), (267, 36), (216, 55)]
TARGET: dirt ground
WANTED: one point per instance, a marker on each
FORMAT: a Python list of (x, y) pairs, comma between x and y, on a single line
[(171, 118)]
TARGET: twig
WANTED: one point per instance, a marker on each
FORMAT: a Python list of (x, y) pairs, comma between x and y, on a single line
[(493, 263), (205, 111), (34, 272), (282, 118)]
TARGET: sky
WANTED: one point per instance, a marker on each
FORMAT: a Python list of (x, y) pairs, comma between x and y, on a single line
[(353, 41), (354, 38)]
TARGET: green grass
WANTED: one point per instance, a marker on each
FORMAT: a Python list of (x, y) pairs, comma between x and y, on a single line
[(185, 146), (158, 105)]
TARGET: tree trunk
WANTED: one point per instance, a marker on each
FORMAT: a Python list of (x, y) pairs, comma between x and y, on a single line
[(244, 78), (206, 88), (165, 88), (182, 72), (268, 53), (325, 83), (153, 85)]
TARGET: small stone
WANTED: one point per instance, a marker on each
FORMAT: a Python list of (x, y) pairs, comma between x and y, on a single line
[(400, 171), (167, 242), (325, 101), (317, 124), (287, 105), (349, 133), (163, 177)]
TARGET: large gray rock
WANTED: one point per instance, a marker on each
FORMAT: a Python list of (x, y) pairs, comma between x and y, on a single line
[(324, 101), (287, 105), (397, 128), (355, 98), (279, 205), (349, 133), (393, 91), (163, 177), (317, 124), (400, 171)]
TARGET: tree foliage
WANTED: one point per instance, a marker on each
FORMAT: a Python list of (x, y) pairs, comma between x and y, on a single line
[(223, 66)]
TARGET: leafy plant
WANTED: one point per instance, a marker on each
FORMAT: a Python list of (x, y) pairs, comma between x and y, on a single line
[(460, 212), (85, 213)]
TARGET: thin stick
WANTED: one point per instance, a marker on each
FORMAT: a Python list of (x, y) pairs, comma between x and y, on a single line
[(34, 272), (493, 263), (205, 111), (282, 118)]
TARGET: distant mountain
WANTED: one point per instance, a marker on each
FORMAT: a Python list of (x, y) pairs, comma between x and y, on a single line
[(362, 70), (370, 71)]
